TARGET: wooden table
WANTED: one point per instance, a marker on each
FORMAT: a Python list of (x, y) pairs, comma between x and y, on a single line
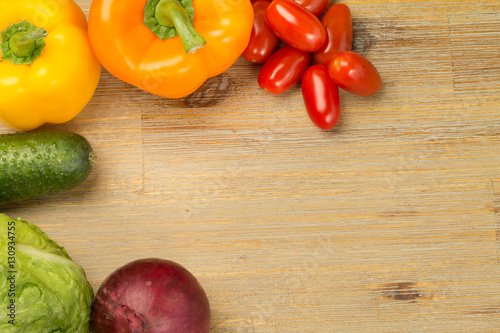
[(388, 223)]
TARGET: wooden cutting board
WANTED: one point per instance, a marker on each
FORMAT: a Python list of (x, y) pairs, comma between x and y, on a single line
[(388, 223)]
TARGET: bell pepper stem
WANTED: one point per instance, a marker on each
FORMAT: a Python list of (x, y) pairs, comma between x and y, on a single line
[(23, 43), (170, 13)]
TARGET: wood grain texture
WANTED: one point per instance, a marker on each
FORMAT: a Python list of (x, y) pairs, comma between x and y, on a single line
[(388, 223)]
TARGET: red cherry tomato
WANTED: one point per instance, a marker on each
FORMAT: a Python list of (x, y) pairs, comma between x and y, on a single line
[(283, 69), (295, 25), (338, 25), (263, 41), (314, 6), (321, 97), (355, 74)]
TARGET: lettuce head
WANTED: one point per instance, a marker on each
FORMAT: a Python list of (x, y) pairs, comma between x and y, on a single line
[(41, 289)]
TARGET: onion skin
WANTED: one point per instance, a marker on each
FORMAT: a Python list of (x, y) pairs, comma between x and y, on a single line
[(151, 296)]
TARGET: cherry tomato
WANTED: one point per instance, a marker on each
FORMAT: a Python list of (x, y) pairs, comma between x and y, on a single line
[(338, 26), (295, 25), (314, 6), (263, 41), (283, 69), (321, 97), (355, 74)]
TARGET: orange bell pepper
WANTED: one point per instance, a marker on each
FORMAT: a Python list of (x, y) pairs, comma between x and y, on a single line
[(169, 47)]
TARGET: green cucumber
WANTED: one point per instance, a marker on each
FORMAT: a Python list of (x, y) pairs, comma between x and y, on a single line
[(33, 164)]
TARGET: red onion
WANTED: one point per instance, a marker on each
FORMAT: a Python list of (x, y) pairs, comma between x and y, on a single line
[(151, 296)]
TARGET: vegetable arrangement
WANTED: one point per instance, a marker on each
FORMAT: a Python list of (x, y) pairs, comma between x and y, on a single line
[(49, 71), (44, 290), (170, 48), (329, 40)]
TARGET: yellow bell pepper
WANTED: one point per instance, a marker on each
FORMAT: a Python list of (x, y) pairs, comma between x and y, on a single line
[(48, 72)]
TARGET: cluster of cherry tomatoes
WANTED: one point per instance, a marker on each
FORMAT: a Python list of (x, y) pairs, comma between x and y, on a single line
[(309, 27)]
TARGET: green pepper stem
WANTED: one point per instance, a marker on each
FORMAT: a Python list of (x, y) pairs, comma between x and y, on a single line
[(23, 43), (170, 13)]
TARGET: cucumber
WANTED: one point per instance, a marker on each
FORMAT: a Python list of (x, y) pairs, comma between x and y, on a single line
[(33, 164)]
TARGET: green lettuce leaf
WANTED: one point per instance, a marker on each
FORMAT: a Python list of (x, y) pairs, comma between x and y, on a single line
[(41, 289)]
